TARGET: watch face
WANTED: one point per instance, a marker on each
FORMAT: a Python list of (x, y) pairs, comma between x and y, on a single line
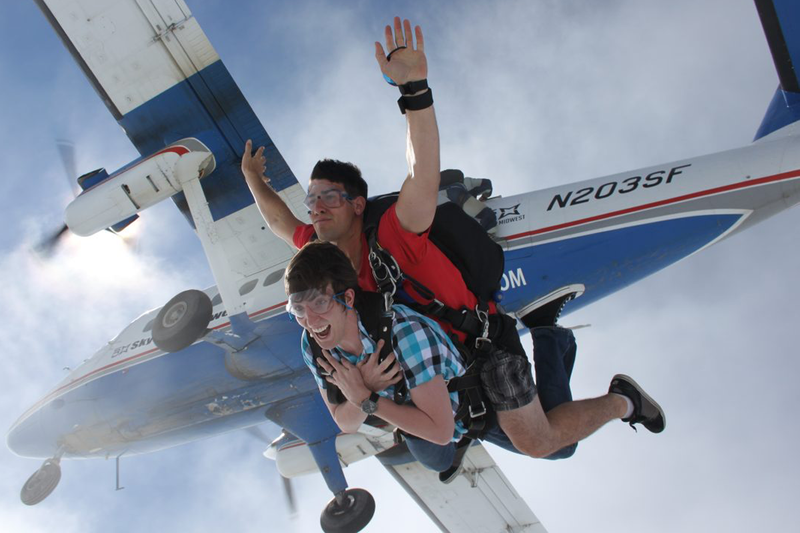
[(369, 406)]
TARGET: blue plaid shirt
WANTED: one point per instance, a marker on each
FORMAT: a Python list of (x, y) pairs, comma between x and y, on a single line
[(423, 350)]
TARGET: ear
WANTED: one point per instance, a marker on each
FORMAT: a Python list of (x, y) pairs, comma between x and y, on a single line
[(359, 204), (350, 297)]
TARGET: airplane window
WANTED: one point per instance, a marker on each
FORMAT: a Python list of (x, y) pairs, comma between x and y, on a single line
[(274, 277), (247, 287), (216, 300), (149, 325)]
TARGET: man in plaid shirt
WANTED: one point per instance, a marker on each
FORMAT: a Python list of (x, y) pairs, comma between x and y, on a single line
[(321, 284)]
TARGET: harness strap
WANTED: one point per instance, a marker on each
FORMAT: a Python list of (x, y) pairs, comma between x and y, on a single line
[(473, 410), (335, 396)]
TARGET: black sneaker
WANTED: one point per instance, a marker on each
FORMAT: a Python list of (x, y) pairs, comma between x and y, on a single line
[(458, 461), (645, 410), (545, 311)]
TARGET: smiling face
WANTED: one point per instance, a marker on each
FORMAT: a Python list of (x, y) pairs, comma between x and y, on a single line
[(327, 317), (332, 222)]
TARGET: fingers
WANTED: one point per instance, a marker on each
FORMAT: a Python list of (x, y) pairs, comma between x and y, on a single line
[(335, 365), (389, 38), (401, 35), (248, 149), (399, 39), (386, 363), (380, 55), (407, 37)]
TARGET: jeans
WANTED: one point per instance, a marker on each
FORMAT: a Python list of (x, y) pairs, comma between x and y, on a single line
[(435, 457), (554, 351)]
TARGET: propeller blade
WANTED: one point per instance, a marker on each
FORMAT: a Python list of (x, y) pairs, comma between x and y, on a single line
[(66, 149), (288, 492), (47, 246)]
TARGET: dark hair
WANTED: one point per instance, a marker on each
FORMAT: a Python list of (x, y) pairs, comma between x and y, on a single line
[(316, 265), (347, 174)]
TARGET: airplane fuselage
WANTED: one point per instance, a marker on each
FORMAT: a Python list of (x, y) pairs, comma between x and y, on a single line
[(605, 233)]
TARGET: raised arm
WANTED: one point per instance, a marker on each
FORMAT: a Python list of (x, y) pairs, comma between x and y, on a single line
[(416, 205), (276, 213)]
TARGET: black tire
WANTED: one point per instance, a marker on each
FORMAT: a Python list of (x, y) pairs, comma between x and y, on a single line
[(183, 320), (353, 516), (42, 483)]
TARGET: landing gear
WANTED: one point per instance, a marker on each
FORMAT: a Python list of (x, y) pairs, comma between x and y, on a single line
[(350, 511), (42, 483), (183, 320)]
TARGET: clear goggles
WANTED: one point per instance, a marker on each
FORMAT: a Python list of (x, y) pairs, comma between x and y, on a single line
[(312, 300), (329, 197)]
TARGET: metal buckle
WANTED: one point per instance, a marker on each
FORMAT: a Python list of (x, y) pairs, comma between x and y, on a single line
[(484, 340), (482, 343), (388, 300), (473, 414)]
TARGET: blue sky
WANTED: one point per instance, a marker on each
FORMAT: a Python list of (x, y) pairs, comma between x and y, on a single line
[(528, 93)]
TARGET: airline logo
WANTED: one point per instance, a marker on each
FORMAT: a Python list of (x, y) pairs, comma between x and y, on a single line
[(507, 215)]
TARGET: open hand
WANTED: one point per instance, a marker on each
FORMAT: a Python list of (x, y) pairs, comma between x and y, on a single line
[(254, 166), (407, 64), (378, 376), (346, 376)]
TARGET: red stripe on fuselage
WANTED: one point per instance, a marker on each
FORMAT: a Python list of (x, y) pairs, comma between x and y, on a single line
[(708, 192), (121, 361)]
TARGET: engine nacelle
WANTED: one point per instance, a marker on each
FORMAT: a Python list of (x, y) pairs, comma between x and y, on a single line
[(138, 186)]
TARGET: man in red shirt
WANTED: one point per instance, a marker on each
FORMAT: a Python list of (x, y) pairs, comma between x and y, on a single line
[(336, 201)]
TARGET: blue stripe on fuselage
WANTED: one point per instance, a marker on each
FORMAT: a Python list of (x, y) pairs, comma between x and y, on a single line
[(181, 397), (190, 394), (607, 261), (210, 107)]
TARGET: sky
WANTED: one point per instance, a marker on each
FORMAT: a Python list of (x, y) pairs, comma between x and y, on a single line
[(531, 94)]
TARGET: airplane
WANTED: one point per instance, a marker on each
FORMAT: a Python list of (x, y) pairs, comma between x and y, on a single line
[(559, 201)]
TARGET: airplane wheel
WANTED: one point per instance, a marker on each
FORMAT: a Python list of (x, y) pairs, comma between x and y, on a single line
[(183, 320), (353, 516), (41, 483)]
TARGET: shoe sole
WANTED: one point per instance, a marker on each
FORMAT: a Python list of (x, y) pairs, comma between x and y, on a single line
[(641, 391), (451, 473), (577, 288)]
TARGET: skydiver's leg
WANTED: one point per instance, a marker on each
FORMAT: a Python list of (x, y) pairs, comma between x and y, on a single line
[(508, 384), (554, 350), (549, 435), (432, 456)]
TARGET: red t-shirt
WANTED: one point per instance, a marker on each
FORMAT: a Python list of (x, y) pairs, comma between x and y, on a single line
[(417, 257)]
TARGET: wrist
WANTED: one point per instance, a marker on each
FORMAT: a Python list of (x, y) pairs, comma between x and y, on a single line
[(361, 396), (416, 102)]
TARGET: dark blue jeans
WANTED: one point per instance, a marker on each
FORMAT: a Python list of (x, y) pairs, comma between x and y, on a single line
[(436, 457)]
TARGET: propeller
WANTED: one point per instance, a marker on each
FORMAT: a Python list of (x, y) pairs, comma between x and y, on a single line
[(288, 488), (66, 152)]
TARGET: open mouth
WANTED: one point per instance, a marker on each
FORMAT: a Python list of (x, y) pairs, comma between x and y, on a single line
[(322, 333)]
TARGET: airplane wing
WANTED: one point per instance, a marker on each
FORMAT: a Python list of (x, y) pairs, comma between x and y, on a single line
[(162, 80), (479, 500)]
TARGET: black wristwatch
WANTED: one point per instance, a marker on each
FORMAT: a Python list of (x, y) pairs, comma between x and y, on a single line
[(370, 405)]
